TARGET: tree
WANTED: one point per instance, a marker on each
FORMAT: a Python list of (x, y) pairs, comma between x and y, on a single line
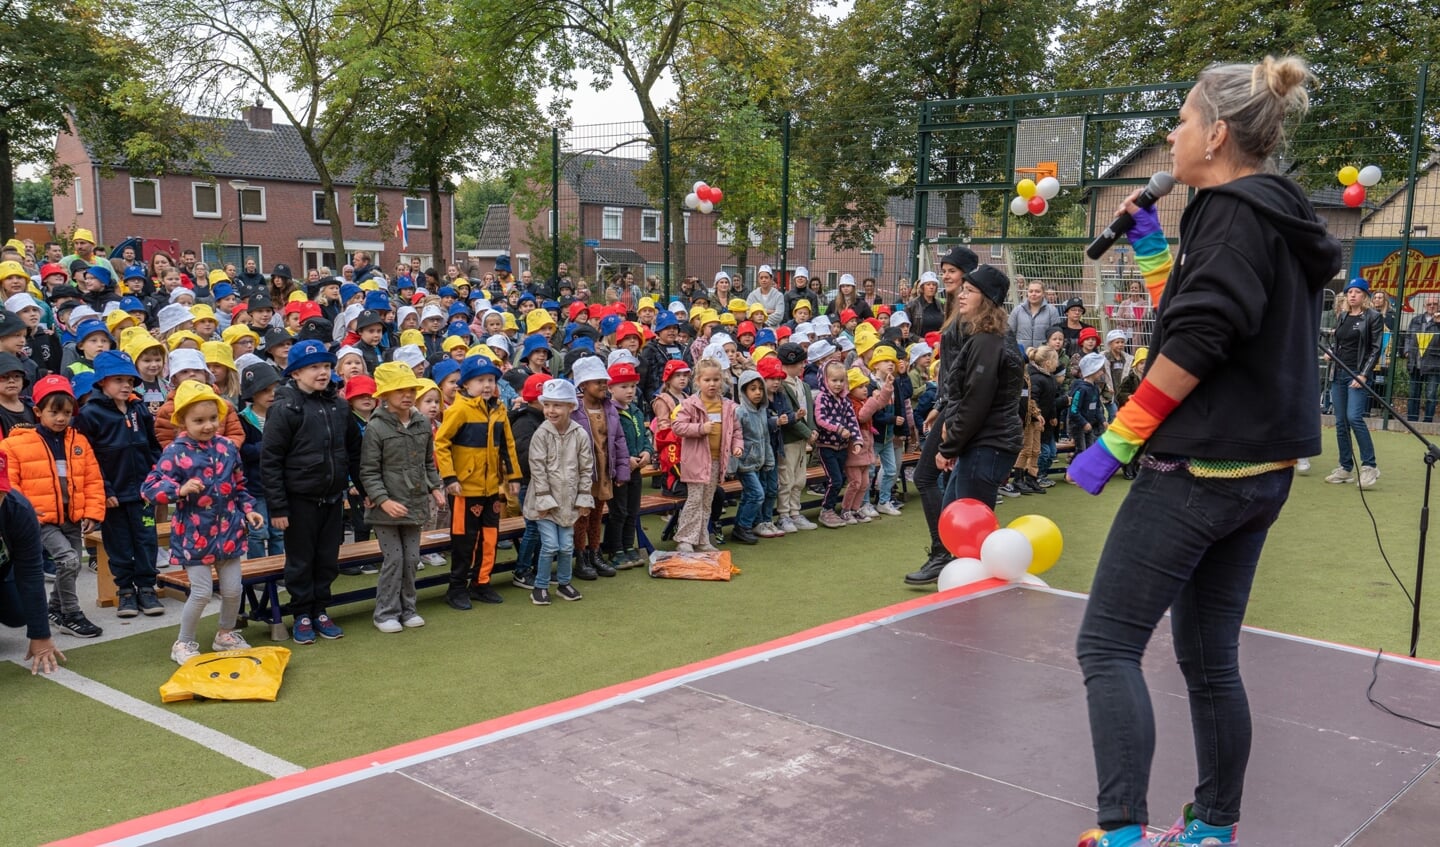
[(68, 64), (317, 60), (473, 199), (33, 201)]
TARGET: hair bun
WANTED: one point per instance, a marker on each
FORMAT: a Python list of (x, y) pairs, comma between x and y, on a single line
[(1285, 77)]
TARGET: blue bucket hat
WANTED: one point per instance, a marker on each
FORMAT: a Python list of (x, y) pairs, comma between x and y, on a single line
[(1357, 282), (309, 352), (131, 303), (135, 272), (477, 366), (83, 383), (533, 343), (765, 336), (609, 324), (90, 327), (377, 300), (526, 296), (584, 342), (666, 320), (444, 368), (114, 363), (447, 291), (552, 305), (348, 290), (460, 309), (222, 290), (460, 329), (102, 273)]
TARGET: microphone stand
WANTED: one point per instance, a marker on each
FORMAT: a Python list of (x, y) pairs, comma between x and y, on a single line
[(1432, 454)]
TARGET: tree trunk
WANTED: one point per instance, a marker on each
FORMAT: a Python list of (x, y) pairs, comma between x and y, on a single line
[(337, 232), (7, 188), (437, 221), (741, 253)]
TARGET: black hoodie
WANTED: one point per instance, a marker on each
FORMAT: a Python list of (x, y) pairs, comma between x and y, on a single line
[(1240, 313)]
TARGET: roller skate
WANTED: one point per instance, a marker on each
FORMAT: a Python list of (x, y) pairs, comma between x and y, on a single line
[(1125, 836), (1190, 831)]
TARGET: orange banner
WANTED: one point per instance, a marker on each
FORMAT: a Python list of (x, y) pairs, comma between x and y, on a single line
[(1422, 274)]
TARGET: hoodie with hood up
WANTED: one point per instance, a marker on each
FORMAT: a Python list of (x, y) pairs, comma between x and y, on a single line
[(755, 424), (1239, 313)]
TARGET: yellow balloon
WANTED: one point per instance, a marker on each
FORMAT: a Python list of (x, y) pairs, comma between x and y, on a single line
[(1045, 540), (1026, 187), (1348, 175)]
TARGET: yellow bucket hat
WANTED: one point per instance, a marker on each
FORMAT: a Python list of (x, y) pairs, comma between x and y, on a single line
[(728, 319), (645, 303), (9, 269), (115, 319), (395, 376), (537, 320), (509, 321), (178, 338), (854, 378), (84, 235), (413, 336), (451, 342), (235, 332), (191, 392), (219, 353), (485, 350), (802, 303), (202, 312), (136, 340), (884, 354), (218, 276), (736, 304), (761, 352), (426, 386), (297, 297)]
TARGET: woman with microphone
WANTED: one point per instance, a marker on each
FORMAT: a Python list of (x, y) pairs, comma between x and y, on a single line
[(1215, 466)]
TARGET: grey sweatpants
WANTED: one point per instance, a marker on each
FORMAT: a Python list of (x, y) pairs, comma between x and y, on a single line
[(395, 592), (63, 543), (202, 588)]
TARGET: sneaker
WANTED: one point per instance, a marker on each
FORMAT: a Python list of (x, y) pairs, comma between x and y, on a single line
[(1302, 466), (869, 511), (744, 535), (413, 622), (1189, 831), (369, 568), (126, 606), (684, 547), (540, 596), (327, 628), (853, 517), (150, 605), (764, 530), (1009, 490), (485, 594), (1368, 476), (522, 580), (1340, 476), (458, 600), (304, 631), (627, 559), (717, 538), (706, 547), (183, 651), (350, 570), (231, 640), (505, 544), (788, 526), (434, 560), (1125, 836), (388, 625), (803, 523), (568, 592), (76, 624), (1046, 482), (887, 509), (831, 520)]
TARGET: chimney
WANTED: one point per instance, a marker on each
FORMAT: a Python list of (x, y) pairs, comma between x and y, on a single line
[(258, 117)]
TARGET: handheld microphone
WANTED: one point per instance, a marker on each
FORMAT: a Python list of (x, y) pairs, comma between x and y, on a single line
[(1161, 184)]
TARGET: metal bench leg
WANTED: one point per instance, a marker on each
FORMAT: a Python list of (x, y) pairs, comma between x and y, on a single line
[(278, 630), (641, 538)]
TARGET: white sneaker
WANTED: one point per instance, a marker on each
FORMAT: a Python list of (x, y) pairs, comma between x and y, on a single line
[(803, 523), (684, 547), (1302, 466), (887, 509), (869, 511), (184, 651), (413, 622), (231, 640), (388, 625), (1340, 476), (766, 530), (787, 526), (434, 560), (1368, 475)]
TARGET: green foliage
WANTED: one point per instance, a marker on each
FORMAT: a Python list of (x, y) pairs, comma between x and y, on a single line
[(473, 199), (33, 201)]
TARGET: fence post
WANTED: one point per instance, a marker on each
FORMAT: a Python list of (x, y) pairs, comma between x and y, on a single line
[(1413, 178), (665, 205), (784, 192), (555, 206), (922, 197)]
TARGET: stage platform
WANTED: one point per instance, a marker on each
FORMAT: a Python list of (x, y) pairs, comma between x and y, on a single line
[(951, 720)]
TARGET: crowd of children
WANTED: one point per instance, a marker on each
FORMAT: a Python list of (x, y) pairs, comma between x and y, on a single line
[(267, 428)]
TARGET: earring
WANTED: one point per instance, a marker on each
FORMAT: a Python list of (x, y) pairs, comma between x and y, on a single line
[(1208, 156)]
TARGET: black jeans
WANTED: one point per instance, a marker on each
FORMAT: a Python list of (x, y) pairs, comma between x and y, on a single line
[(312, 553), (131, 545), (1189, 545), (620, 519), (978, 474), (927, 482)]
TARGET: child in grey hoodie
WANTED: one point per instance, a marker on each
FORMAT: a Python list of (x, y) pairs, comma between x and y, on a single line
[(756, 424)]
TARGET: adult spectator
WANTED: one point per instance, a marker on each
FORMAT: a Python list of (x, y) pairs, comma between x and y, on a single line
[(799, 290), (926, 314), (362, 267), (1032, 317), (187, 262), (250, 281), (720, 292), (868, 292), (22, 577), (1422, 355), (1133, 314), (1358, 336), (1072, 326), (84, 243), (847, 298), (903, 292), (767, 296), (282, 285)]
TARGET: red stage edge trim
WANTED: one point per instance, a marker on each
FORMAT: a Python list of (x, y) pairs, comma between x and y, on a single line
[(220, 802)]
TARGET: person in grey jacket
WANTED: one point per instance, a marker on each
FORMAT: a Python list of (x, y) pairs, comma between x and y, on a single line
[(398, 473), (1031, 319)]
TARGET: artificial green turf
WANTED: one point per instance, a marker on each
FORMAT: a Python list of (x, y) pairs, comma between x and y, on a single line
[(72, 764), (1321, 576)]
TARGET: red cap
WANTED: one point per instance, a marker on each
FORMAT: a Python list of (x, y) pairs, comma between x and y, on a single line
[(236, 312), (4, 476), (623, 372), (416, 298), (877, 323), (847, 316), (627, 329), (359, 386), (882, 310), (646, 332), (534, 383), (770, 368), (1089, 332), (744, 327), (48, 385), (783, 332), (673, 367), (293, 306), (933, 339), (52, 268), (309, 309), (577, 309)]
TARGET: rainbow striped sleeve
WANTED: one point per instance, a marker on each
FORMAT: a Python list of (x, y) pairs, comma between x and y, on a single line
[(1152, 257), (1137, 421)]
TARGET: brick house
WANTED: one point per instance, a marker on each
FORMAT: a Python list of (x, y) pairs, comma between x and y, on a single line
[(281, 209), (618, 225), (887, 256)]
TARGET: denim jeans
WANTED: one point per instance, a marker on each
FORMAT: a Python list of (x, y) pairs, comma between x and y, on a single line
[(1047, 456), (833, 461), (267, 540), (885, 453), (770, 481), (1189, 545), (978, 474), (556, 542), (752, 494), (1350, 405), (1423, 387)]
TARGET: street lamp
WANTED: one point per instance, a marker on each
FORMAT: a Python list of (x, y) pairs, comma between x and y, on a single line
[(240, 185)]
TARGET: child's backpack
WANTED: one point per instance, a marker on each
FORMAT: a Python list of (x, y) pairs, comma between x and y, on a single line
[(667, 448)]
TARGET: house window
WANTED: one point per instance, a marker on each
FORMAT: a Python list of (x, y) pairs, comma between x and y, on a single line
[(724, 233), (867, 242), (229, 254), (790, 235), (252, 204), (649, 226), (612, 224), (316, 259), (144, 196), (206, 199), (417, 213), (367, 210), (79, 197), (655, 269), (832, 280), (318, 213)]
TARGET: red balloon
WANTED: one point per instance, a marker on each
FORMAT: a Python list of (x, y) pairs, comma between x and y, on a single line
[(1354, 194), (704, 192), (716, 195), (1037, 205), (964, 526)]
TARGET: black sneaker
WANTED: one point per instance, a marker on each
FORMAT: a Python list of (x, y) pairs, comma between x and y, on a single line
[(717, 538), (523, 580), (370, 568), (351, 571), (568, 592), (126, 605), (1009, 490), (150, 605), (601, 566), (930, 571), (540, 596), (627, 559), (77, 625), (485, 594), (458, 600), (743, 535)]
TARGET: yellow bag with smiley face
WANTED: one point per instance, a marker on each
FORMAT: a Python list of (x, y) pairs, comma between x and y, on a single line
[(252, 674)]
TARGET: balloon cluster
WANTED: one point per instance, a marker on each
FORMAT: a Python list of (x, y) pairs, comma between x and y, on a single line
[(1031, 544), (702, 198), (1034, 197), (1356, 181)]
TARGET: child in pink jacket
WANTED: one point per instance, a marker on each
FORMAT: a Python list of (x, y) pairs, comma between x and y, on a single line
[(866, 400), (709, 431)]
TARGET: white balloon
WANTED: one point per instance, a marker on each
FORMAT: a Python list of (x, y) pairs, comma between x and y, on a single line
[(1048, 187), (695, 189), (1369, 175), (1007, 554), (1032, 579), (692, 200), (1020, 206), (706, 207), (961, 572)]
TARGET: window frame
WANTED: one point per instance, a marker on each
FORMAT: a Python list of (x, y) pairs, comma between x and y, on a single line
[(79, 196), (320, 195), (424, 215), (355, 209), (650, 215), (605, 214), (137, 210), (194, 200), (240, 203)]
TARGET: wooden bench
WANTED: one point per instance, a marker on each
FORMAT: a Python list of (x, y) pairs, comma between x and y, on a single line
[(107, 595)]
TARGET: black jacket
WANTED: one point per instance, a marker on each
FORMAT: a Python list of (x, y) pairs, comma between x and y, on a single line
[(311, 448), (653, 360), (1372, 333), (523, 423), (1239, 313), (982, 407), (250, 457), (924, 317), (124, 443), (794, 295), (21, 564), (1043, 391)]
